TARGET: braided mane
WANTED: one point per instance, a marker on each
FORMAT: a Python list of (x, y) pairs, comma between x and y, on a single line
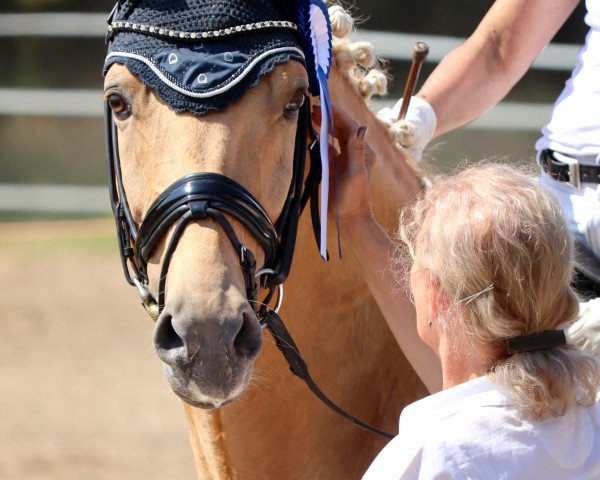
[(357, 58), (361, 64)]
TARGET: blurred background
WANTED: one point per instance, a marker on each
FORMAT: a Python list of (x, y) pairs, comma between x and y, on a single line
[(81, 393)]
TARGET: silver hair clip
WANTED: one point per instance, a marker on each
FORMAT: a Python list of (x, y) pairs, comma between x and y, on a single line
[(470, 298)]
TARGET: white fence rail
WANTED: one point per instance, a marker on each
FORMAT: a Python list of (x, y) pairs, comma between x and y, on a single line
[(52, 24), (62, 199), (54, 102), (394, 46), (88, 103)]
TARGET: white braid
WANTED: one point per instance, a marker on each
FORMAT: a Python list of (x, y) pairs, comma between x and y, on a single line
[(342, 53), (341, 21), (364, 54), (374, 83), (349, 54)]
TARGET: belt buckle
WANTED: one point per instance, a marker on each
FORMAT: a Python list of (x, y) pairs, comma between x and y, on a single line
[(574, 171)]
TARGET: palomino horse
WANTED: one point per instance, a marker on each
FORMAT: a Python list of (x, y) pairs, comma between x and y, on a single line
[(207, 333)]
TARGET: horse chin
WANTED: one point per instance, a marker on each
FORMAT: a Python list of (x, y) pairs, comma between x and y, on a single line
[(196, 394), (204, 406)]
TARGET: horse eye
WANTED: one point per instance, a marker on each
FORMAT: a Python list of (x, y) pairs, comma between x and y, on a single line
[(119, 106), (291, 109)]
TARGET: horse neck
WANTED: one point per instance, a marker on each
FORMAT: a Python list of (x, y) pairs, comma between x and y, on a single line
[(395, 179)]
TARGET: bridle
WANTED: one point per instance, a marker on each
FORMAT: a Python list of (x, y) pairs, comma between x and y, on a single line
[(203, 195), (200, 196)]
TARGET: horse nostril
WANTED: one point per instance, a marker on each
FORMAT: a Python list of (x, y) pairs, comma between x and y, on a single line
[(248, 340), (178, 339), (168, 344)]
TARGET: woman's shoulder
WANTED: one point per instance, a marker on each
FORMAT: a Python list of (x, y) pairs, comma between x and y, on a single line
[(473, 431), (495, 441)]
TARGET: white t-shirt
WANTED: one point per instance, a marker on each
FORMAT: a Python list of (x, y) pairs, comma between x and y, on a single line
[(574, 127), (471, 432), (574, 130)]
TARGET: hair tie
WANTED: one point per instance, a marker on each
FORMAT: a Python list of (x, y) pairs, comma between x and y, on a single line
[(536, 341)]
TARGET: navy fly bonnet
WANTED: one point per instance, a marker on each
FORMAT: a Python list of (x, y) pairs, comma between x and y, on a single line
[(200, 55)]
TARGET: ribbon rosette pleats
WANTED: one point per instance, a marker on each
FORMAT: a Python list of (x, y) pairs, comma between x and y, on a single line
[(315, 32)]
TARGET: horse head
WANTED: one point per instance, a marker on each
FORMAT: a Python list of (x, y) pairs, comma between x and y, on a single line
[(206, 143)]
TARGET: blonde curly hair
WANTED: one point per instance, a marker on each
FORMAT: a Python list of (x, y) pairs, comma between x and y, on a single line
[(492, 235)]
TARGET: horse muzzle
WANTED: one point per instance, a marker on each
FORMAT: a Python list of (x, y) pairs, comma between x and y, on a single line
[(208, 362)]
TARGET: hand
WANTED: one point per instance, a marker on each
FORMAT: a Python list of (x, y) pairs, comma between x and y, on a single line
[(350, 197), (416, 130)]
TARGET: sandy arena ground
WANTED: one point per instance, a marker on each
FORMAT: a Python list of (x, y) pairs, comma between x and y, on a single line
[(82, 395)]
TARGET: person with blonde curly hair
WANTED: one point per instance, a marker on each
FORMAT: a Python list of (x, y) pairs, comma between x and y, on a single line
[(491, 323)]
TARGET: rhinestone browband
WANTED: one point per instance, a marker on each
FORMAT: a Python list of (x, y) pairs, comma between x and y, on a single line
[(165, 32)]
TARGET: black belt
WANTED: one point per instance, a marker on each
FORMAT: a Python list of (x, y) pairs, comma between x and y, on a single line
[(570, 171)]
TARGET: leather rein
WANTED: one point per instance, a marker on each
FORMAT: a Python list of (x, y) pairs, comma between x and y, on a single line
[(203, 195)]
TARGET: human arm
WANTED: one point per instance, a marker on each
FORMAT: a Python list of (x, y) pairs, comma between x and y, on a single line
[(373, 249), (475, 76)]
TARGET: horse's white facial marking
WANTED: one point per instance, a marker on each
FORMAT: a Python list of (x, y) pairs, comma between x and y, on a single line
[(191, 391), (197, 396)]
